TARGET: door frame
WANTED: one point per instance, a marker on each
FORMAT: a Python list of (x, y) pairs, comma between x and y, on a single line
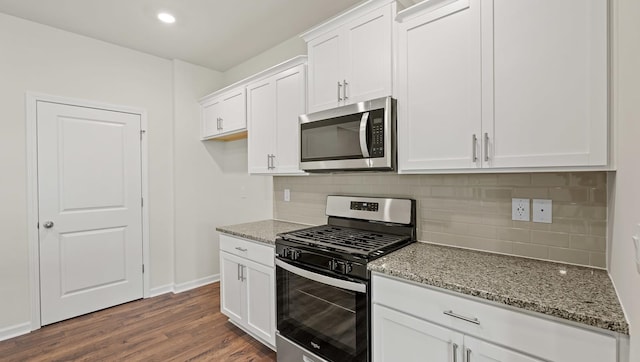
[(31, 99)]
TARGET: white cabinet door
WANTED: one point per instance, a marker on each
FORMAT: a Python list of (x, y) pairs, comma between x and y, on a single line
[(261, 117), (352, 63), (439, 99), (545, 67), (325, 75), (401, 337), (233, 116), (261, 308), (232, 289), (274, 105), (210, 115), (290, 102), (480, 351), (367, 56)]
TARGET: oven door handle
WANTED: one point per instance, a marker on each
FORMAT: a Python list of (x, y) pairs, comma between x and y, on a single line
[(334, 282), (364, 147)]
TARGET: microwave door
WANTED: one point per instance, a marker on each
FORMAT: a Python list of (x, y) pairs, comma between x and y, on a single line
[(364, 147)]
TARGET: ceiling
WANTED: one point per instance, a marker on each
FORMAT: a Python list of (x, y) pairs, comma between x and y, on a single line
[(217, 34)]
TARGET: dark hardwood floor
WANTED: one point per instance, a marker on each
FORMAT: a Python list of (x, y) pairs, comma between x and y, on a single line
[(171, 327)]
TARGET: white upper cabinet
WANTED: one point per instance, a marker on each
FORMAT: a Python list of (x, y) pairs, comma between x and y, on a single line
[(502, 84), (350, 57), (273, 105), (223, 113), (439, 89), (549, 82)]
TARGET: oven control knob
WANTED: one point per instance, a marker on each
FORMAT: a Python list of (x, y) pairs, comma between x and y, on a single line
[(341, 267), (294, 254), (332, 264), (285, 253)]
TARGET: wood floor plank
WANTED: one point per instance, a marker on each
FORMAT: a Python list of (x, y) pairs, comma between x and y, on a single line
[(171, 327)]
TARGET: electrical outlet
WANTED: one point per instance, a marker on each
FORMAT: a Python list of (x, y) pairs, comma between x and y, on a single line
[(520, 209), (542, 211), (287, 195)]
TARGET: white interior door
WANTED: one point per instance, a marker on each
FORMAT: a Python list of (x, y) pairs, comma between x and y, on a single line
[(90, 212)]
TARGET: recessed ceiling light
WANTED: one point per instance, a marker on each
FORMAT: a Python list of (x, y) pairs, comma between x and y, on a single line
[(166, 18)]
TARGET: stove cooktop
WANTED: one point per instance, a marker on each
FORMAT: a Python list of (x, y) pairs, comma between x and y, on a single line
[(346, 240)]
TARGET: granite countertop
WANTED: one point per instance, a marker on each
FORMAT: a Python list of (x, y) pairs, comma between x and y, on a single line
[(574, 293), (264, 231)]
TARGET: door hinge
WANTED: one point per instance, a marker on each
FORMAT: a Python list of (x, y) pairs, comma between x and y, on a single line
[(142, 268), (38, 225), (142, 132), (142, 201)]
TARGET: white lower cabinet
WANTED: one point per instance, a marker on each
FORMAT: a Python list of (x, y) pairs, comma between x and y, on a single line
[(411, 322), (401, 337), (247, 287)]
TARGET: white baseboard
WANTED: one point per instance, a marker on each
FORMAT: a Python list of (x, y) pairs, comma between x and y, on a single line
[(14, 331), (183, 287), (163, 289)]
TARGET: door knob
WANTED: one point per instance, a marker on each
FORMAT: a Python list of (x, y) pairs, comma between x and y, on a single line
[(48, 224)]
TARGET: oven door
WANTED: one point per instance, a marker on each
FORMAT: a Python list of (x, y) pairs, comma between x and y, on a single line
[(323, 314)]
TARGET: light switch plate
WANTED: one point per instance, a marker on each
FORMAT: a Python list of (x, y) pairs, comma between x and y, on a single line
[(287, 195), (542, 211), (520, 209)]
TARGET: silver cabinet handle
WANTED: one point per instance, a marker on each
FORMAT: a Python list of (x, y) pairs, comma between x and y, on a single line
[(48, 224), (466, 319), (468, 355), (486, 147), (241, 249), (339, 92), (242, 277), (239, 272), (221, 123), (270, 163), (344, 90), (455, 352), (273, 161), (474, 146)]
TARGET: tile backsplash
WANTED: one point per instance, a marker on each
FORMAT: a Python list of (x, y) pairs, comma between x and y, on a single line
[(474, 211)]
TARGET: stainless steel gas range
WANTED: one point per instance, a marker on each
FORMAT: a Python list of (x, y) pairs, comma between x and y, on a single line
[(322, 282)]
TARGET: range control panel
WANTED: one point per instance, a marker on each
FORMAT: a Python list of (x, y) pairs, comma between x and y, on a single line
[(364, 206)]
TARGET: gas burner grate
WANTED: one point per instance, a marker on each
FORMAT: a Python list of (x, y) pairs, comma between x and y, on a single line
[(351, 240)]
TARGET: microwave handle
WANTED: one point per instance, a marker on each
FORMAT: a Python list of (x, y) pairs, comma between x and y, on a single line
[(364, 147), (334, 282)]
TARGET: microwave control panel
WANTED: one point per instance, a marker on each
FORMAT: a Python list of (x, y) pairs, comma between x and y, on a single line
[(377, 143)]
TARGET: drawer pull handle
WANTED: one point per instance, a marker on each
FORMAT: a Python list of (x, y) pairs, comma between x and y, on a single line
[(241, 249), (466, 319)]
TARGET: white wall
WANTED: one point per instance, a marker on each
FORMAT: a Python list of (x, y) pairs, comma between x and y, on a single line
[(625, 207), (210, 180), (278, 54), (45, 60)]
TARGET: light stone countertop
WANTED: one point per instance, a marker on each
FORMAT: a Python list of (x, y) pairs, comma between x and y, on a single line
[(264, 231), (574, 293)]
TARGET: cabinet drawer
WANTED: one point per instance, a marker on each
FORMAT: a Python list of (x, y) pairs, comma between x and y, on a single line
[(263, 254), (555, 341)]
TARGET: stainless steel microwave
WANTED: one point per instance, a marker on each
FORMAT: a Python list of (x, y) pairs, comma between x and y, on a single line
[(356, 137)]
